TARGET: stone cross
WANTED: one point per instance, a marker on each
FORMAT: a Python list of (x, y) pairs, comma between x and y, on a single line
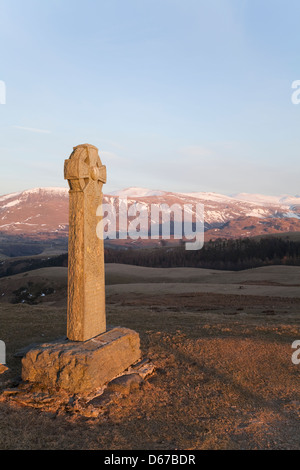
[(86, 282)]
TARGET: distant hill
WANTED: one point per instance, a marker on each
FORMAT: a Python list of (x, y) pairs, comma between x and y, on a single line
[(36, 220)]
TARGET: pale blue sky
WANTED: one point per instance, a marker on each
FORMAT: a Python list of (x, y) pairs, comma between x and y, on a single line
[(186, 95)]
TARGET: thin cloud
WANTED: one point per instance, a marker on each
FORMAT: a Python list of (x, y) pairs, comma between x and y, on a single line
[(32, 129)]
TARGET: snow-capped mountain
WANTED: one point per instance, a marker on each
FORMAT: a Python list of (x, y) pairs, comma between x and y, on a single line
[(35, 211), (43, 212), (284, 200), (136, 192)]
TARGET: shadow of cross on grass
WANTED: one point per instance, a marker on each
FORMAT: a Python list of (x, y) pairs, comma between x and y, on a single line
[(245, 388)]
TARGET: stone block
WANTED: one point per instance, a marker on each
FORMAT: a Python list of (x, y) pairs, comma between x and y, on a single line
[(82, 367)]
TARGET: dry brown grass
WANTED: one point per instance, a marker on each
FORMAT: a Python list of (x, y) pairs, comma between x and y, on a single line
[(224, 376)]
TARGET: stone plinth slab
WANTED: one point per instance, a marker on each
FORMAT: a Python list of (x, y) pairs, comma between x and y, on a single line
[(82, 367)]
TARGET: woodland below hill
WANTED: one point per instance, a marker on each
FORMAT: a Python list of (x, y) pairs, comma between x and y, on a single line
[(221, 254), (239, 254)]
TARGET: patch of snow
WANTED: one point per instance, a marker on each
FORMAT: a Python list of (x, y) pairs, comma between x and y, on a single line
[(8, 196), (257, 198), (136, 192), (59, 191), (208, 196), (210, 216), (291, 215), (263, 199), (12, 203), (260, 213)]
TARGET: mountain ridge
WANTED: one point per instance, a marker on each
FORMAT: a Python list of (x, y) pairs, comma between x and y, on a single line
[(44, 211)]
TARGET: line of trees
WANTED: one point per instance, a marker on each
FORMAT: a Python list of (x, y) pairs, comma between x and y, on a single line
[(235, 255), (243, 253)]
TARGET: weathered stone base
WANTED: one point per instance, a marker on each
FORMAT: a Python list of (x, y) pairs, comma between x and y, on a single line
[(82, 367), (55, 403)]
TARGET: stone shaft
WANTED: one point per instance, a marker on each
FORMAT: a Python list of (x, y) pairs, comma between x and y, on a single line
[(86, 278)]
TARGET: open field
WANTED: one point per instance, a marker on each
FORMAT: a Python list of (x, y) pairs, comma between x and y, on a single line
[(278, 281), (221, 342)]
